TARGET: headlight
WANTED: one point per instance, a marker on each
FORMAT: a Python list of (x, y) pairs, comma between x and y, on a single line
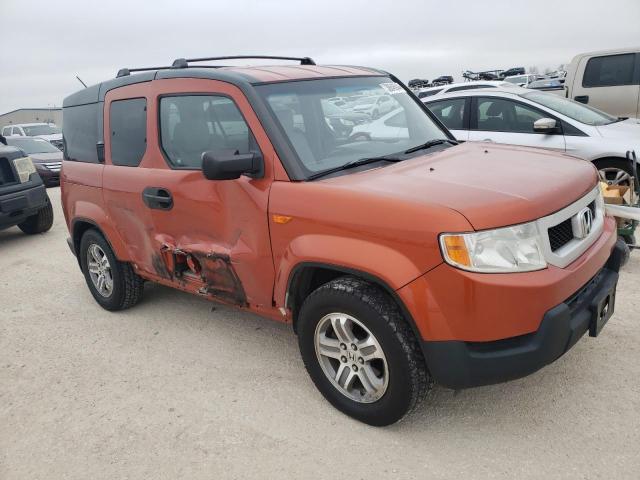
[(24, 167), (600, 201), (510, 249), (347, 123)]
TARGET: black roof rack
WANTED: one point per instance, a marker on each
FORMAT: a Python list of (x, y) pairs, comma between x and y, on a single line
[(123, 72), (184, 62)]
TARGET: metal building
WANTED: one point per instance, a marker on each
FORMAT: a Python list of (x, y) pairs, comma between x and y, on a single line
[(32, 115)]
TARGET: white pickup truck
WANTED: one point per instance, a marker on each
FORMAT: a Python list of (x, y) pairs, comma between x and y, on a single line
[(607, 80)]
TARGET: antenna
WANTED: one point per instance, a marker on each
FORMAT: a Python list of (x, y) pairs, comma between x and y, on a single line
[(80, 80)]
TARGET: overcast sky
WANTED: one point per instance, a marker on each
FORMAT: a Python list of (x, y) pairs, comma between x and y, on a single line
[(46, 43)]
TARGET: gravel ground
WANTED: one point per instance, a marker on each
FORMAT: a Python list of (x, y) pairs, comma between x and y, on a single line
[(175, 388)]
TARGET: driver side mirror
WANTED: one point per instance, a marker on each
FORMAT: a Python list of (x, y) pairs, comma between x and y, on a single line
[(229, 165), (545, 125)]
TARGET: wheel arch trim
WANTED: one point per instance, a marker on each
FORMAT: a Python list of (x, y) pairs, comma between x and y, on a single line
[(76, 237), (300, 267)]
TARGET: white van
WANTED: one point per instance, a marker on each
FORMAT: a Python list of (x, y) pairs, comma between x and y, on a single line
[(608, 80)]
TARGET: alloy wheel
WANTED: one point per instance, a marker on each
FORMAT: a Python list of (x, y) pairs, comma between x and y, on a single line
[(99, 270), (615, 176), (351, 357)]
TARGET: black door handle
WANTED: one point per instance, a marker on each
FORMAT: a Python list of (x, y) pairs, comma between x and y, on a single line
[(157, 198), (582, 98)]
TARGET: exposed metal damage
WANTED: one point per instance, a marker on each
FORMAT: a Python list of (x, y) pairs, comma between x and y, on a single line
[(208, 273)]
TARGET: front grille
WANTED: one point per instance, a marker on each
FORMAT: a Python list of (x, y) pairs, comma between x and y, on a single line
[(6, 172), (592, 207), (560, 235), (53, 166)]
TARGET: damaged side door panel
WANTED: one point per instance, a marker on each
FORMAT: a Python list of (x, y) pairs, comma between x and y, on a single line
[(211, 273)]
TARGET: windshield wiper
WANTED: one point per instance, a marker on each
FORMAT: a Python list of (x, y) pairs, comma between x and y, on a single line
[(431, 143), (353, 164)]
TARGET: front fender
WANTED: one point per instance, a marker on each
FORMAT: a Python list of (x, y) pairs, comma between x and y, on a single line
[(380, 261)]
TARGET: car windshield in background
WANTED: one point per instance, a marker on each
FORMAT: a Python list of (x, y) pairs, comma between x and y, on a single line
[(578, 111), (32, 145), (325, 137), (35, 130)]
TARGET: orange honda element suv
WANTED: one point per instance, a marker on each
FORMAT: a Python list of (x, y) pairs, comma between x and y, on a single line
[(400, 257)]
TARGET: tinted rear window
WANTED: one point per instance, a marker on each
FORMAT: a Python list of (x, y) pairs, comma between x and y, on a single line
[(128, 126), (81, 131), (609, 71)]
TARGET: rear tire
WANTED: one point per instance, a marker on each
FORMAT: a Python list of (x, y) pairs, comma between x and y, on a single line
[(120, 287), (371, 321), (39, 222)]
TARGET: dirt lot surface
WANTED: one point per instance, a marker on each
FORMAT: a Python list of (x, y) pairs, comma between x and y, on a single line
[(174, 389)]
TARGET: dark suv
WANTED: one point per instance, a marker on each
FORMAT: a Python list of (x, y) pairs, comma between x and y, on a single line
[(23, 198)]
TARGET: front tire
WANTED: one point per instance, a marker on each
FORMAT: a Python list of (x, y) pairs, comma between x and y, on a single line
[(615, 171), (113, 284), (360, 352), (40, 222)]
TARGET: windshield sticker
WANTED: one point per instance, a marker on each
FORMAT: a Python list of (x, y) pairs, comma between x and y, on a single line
[(392, 88)]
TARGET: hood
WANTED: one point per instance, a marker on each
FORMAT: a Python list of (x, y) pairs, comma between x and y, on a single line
[(53, 136), (46, 157), (627, 129), (491, 185), (363, 106)]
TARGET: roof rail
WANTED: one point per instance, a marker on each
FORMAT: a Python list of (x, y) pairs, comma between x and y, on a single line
[(184, 62), (123, 72)]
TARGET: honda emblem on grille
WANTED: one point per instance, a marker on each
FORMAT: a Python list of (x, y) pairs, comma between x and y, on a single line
[(584, 222)]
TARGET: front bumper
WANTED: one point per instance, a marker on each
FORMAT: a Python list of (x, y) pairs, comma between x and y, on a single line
[(19, 201), (458, 364), (50, 178)]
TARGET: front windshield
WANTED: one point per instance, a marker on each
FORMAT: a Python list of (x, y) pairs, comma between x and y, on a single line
[(393, 122), (331, 108), (32, 145), (577, 111), (365, 101), (35, 130)]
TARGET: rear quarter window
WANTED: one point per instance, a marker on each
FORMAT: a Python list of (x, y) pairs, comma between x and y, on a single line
[(128, 130), (82, 131)]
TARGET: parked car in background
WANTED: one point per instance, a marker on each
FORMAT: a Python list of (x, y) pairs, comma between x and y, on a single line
[(442, 80), (520, 116), (374, 105), (522, 80), (46, 158), (511, 72), (607, 80), (48, 131), (461, 86), (23, 198), (392, 126), (550, 85), (417, 83), (338, 101), (340, 120)]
